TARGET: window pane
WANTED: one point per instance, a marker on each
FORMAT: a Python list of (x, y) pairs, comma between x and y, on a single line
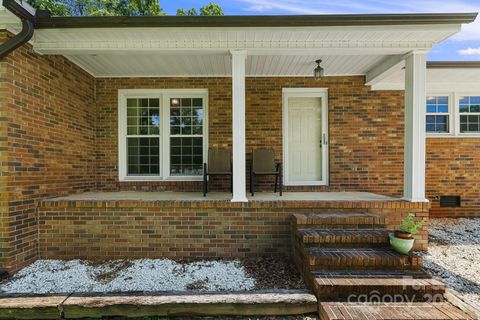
[(437, 104), (470, 123), (431, 108), (143, 156), (443, 108), (470, 104), (143, 116), (437, 123), (186, 136)]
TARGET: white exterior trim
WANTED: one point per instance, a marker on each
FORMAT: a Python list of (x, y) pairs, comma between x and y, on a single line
[(239, 58), (305, 92), (414, 149), (384, 69), (162, 95)]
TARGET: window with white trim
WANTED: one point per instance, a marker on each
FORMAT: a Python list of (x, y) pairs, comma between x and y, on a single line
[(469, 111), (162, 134), (437, 119), (453, 114)]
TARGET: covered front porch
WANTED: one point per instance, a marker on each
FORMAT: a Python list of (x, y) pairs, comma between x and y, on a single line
[(248, 78)]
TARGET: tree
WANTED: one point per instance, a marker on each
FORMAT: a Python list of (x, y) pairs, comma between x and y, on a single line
[(116, 8), (212, 9)]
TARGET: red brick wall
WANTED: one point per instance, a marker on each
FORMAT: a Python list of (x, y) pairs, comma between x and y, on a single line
[(453, 169), (48, 116), (366, 157), (101, 230)]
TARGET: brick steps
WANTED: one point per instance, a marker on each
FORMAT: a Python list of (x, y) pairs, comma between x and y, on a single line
[(338, 220), (340, 238), (359, 259), (390, 311), (346, 259), (328, 287)]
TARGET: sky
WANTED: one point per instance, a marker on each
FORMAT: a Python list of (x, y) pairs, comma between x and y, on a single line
[(463, 46)]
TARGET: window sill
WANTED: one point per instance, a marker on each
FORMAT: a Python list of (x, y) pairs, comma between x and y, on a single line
[(461, 135), (160, 179)]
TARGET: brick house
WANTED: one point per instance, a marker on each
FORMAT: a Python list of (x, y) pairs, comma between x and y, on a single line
[(105, 123)]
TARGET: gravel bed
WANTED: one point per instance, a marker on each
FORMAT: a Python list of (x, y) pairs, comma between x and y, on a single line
[(153, 275), (454, 255)]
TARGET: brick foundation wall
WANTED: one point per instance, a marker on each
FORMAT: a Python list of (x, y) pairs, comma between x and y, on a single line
[(99, 230), (47, 138), (453, 169), (366, 157)]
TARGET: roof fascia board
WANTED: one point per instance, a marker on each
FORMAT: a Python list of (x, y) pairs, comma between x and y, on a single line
[(453, 64), (256, 21)]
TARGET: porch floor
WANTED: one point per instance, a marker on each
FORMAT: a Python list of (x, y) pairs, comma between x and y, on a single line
[(195, 196)]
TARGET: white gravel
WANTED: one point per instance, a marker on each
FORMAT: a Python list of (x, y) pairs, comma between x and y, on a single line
[(454, 255), (56, 276)]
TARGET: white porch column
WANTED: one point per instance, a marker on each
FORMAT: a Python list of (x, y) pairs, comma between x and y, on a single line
[(238, 125), (414, 150)]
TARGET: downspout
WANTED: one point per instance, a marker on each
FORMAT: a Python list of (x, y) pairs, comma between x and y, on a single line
[(28, 26)]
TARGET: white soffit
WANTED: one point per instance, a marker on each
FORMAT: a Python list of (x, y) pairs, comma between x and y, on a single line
[(438, 79), (278, 51), (74, 41), (150, 65)]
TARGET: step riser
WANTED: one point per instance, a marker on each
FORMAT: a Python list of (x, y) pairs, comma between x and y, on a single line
[(338, 220), (342, 262), (345, 226), (356, 292), (332, 240)]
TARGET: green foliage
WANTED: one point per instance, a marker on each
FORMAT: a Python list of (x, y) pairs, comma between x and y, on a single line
[(117, 8), (211, 9), (409, 225)]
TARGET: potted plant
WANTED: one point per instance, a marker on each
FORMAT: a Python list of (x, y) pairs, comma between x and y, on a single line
[(402, 239)]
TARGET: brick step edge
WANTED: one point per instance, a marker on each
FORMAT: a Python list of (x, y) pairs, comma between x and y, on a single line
[(358, 259), (391, 311), (409, 289), (338, 219), (333, 237)]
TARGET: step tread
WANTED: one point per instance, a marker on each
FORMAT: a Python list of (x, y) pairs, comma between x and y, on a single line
[(415, 274), (332, 236), (358, 257), (391, 311), (375, 282), (332, 218)]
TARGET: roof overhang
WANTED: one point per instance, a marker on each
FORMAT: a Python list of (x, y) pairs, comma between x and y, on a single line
[(442, 76), (276, 45)]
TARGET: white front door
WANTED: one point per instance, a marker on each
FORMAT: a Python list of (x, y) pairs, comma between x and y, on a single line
[(305, 122)]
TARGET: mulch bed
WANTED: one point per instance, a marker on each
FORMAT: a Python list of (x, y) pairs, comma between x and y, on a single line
[(273, 273)]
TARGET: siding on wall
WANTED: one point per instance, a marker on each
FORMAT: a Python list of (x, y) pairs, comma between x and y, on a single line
[(48, 114), (366, 129), (453, 169)]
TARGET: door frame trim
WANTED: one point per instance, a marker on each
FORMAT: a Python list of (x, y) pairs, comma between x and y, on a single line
[(305, 93)]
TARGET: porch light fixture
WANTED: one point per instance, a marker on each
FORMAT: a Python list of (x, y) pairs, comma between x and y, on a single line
[(318, 72)]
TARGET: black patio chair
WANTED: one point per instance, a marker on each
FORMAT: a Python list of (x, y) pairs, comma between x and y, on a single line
[(219, 164), (263, 164)]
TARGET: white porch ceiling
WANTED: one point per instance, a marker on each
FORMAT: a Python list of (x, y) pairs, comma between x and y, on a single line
[(272, 51), (152, 65)]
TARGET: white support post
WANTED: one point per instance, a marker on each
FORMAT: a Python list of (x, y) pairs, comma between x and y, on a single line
[(238, 125), (414, 149)]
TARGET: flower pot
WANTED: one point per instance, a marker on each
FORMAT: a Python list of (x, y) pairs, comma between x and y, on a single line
[(401, 245), (402, 234)]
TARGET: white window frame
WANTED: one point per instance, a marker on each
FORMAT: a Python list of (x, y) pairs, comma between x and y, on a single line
[(454, 115), (451, 120), (163, 95), (457, 107)]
